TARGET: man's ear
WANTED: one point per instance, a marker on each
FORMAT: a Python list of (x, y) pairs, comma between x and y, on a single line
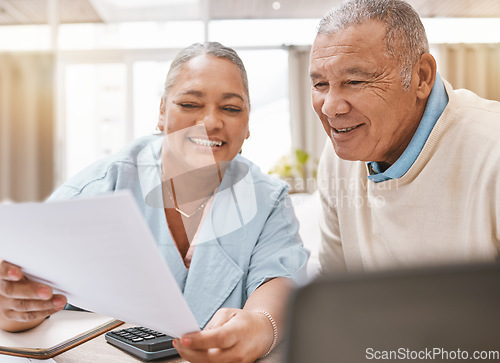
[(426, 73)]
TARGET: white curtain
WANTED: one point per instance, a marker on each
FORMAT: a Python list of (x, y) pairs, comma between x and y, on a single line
[(26, 126), (307, 132), (472, 66)]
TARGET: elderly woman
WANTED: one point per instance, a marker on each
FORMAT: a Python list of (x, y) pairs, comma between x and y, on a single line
[(226, 230)]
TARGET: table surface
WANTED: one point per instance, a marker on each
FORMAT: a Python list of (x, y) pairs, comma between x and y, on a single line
[(98, 350)]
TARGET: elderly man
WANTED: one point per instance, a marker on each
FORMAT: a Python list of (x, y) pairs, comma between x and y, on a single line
[(413, 176)]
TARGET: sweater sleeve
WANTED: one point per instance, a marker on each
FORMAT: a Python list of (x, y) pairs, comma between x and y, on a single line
[(331, 254), (496, 199)]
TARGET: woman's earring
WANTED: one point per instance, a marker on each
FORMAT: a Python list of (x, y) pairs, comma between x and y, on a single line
[(157, 130)]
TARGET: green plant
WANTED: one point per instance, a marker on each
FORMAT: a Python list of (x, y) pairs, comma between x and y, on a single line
[(296, 168)]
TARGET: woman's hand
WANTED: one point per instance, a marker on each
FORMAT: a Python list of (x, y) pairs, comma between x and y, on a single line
[(23, 303), (232, 335)]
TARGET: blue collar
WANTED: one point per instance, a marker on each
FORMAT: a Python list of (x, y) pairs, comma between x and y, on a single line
[(436, 104)]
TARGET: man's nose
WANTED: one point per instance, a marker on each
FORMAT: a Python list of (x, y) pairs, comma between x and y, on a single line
[(335, 104)]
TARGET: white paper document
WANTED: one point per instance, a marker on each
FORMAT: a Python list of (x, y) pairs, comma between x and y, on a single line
[(100, 253)]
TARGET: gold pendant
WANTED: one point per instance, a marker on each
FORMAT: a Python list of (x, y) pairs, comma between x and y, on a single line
[(185, 214)]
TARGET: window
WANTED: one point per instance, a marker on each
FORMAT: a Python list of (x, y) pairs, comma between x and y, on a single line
[(95, 122), (149, 79), (270, 135), (24, 37), (134, 35)]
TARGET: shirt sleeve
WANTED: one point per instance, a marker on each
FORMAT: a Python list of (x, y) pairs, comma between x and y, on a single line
[(279, 251), (97, 179)]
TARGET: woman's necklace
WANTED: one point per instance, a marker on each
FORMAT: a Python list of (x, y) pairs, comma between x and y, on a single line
[(176, 207)]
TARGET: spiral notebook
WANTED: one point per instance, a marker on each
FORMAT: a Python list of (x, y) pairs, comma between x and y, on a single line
[(60, 332)]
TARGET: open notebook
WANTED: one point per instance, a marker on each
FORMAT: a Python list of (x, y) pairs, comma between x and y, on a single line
[(60, 332)]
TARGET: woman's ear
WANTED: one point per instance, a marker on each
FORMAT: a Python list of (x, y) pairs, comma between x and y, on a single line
[(248, 134), (161, 118), (426, 72)]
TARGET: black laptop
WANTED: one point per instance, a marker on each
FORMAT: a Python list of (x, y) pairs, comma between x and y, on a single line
[(434, 314)]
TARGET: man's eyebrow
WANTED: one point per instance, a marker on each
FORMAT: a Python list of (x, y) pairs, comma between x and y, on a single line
[(314, 75), (356, 71), (229, 95)]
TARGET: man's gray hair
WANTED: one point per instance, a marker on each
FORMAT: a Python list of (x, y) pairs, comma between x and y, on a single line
[(406, 40), (213, 48)]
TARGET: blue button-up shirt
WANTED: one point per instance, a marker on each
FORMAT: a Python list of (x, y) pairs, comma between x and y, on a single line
[(436, 104)]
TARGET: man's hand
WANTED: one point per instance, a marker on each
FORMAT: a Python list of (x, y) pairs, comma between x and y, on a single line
[(23, 303)]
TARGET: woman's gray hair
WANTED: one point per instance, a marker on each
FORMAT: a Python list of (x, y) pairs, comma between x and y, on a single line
[(213, 48), (406, 39)]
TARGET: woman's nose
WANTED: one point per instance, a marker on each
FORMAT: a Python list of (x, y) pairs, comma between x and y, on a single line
[(211, 119)]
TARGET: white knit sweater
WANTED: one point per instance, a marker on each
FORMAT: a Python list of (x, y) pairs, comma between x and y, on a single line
[(446, 208)]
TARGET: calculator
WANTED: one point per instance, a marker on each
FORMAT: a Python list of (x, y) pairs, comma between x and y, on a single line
[(141, 342)]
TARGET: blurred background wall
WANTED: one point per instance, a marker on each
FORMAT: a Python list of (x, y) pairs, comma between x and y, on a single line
[(472, 66), (81, 78), (26, 125)]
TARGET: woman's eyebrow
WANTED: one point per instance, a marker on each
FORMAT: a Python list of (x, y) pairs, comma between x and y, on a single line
[(192, 92), (199, 94), (226, 96)]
